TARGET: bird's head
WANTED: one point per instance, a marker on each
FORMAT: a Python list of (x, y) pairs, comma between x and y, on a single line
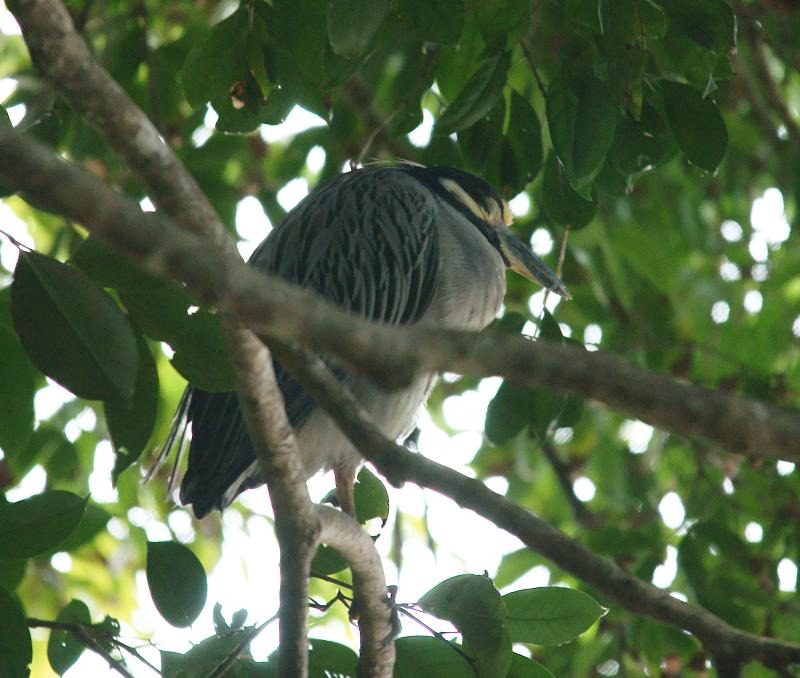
[(489, 212)]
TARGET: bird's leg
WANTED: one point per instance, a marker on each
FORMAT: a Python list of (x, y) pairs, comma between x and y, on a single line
[(345, 477)]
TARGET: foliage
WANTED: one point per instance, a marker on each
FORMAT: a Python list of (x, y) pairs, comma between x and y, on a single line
[(647, 129)]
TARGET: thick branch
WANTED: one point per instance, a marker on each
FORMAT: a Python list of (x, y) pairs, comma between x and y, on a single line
[(399, 466), (61, 56), (296, 524), (278, 309), (340, 531)]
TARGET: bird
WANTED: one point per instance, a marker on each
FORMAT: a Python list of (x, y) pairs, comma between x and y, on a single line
[(398, 244)]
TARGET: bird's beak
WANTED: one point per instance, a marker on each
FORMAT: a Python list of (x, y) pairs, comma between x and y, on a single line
[(528, 265)]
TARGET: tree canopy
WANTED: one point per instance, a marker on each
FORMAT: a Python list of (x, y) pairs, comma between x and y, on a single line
[(650, 151)]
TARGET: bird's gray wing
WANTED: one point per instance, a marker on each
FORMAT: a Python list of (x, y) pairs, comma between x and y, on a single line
[(366, 241)]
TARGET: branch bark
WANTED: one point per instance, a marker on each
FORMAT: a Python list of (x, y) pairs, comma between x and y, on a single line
[(296, 524), (62, 57), (340, 531), (280, 310), (398, 465)]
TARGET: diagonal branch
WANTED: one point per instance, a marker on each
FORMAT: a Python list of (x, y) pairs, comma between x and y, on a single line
[(288, 313), (399, 465), (61, 55)]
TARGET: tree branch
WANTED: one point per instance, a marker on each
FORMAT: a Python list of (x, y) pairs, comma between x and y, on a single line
[(296, 524), (339, 530), (391, 355), (84, 636), (399, 466)]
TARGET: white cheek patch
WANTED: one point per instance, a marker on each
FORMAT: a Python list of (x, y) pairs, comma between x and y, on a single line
[(463, 197)]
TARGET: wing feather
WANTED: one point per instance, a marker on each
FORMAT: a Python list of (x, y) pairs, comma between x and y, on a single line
[(366, 241)]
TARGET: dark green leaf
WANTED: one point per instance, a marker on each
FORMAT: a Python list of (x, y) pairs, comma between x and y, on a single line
[(45, 446), (17, 388), (12, 572), (508, 412), (93, 521), (441, 21), (63, 648), (371, 497), (326, 658), (16, 651), (525, 140), (522, 667), (201, 354), (697, 125), (327, 560), (477, 97), (710, 23), (642, 145), (562, 204), (491, 659), (72, 330), (419, 656), (352, 25), (582, 118), (216, 63), (550, 615), (205, 657), (130, 422), (474, 606), (39, 524), (503, 21), (177, 582)]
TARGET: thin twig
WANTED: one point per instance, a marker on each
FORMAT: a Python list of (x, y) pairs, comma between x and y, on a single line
[(82, 633)]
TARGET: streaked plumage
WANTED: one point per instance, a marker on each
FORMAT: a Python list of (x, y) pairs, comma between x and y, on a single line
[(397, 244)]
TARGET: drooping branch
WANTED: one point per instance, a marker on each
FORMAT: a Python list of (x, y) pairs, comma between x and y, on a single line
[(340, 531), (278, 309), (722, 640)]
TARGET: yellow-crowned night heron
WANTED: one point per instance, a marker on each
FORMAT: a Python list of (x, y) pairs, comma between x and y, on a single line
[(397, 244)]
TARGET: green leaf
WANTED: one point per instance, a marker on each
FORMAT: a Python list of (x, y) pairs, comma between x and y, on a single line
[(72, 330), (371, 497), (477, 97), (16, 651), (582, 118), (522, 667), (503, 21), (92, 523), (63, 648), (45, 446), (327, 560), (697, 125), (12, 572), (131, 422), (525, 140), (352, 25), (177, 582), (17, 388), (201, 354), (560, 201), (419, 656), (491, 659), (474, 606), (205, 657), (326, 658), (710, 23), (642, 145), (550, 615), (440, 22), (215, 64), (38, 524), (508, 413)]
